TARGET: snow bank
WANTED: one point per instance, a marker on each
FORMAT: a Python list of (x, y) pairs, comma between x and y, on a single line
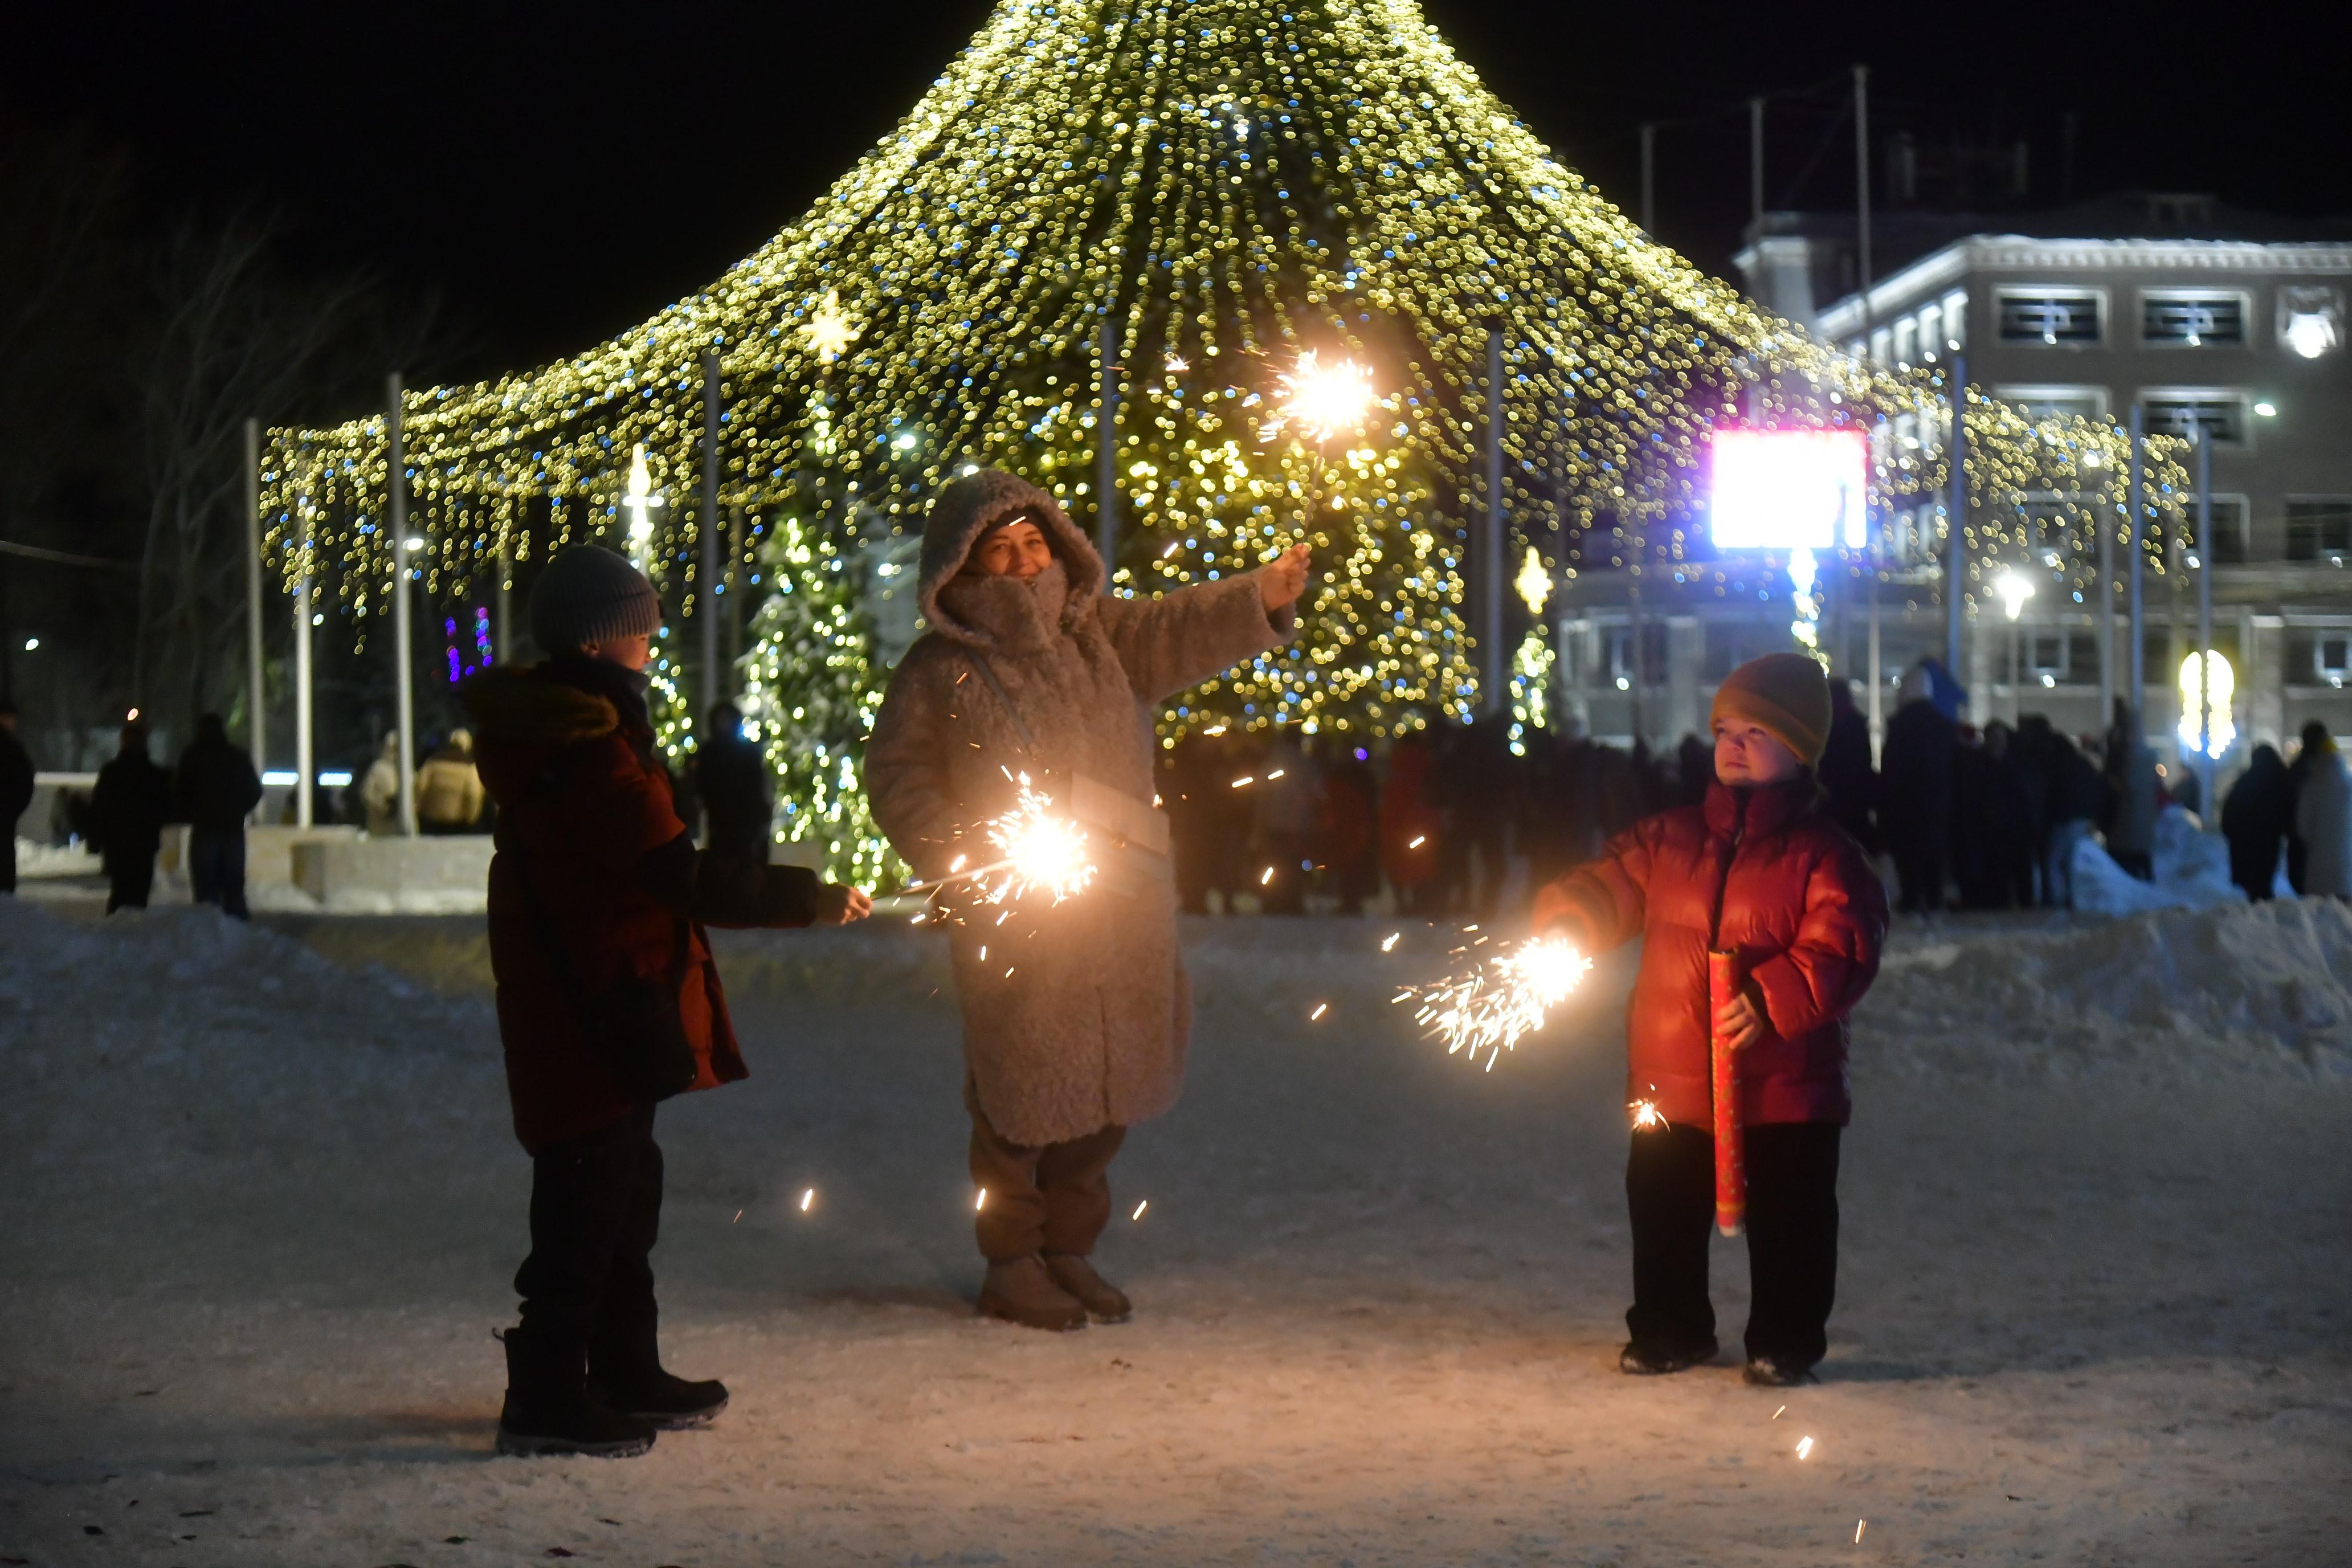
[(35, 859), (2180, 995), (2191, 867)]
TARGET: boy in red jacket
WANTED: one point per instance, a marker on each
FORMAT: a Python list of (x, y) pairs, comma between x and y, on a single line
[(1761, 872), (608, 1000)]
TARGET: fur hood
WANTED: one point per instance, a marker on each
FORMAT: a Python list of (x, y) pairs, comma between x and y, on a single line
[(524, 708), (970, 507)]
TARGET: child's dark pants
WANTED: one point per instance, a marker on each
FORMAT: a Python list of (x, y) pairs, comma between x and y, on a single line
[(595, 1214), (1792, 1225)]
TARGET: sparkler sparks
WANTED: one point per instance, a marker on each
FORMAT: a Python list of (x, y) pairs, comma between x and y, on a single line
[(1417, 843), (1320, 1008), (807, 1198), (1858, 1526), (1322, 401), (1646, 1114), (1266, 878), (980, 1200), (1487, 1006), (1805, 1447), (1387, 944), (1139, 1210)]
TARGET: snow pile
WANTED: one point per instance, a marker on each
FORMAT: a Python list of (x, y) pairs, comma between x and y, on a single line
[(48, 860), (2191, 872), (2173, 996)]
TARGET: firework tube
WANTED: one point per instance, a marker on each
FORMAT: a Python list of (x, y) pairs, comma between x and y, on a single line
[(1730, 1142)]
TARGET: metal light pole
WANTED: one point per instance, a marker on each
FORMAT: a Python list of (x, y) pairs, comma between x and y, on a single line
[(257, 740), (1870, 553), (395, 480), (2136, 544), (2205, 627), (1107, 457), (1755, 164), (706, 602), (1497, 566), (2107, 611), (1956, 516), (505, 650), (1862, 196), (302, 684)]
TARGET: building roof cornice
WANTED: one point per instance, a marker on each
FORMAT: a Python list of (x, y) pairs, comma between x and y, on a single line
[(1938, 269)]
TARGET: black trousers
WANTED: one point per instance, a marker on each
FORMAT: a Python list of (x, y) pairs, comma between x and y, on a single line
[(129, 878), (216, 868), (1792, 1225), (595, 1214)]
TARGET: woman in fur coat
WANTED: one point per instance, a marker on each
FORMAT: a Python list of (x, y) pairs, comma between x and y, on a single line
[(1076, 1014)]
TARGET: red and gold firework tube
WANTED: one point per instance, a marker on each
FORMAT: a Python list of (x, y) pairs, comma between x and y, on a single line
[(1731, 1150)]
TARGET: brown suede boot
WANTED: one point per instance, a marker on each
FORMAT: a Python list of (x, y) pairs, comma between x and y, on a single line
[(1022, 1292), (1102, 1300)]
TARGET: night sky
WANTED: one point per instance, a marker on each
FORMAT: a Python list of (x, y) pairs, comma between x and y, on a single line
[(558, 172)]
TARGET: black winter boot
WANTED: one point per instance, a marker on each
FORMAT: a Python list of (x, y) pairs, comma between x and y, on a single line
[(548, 1410), (625, 1371), (1648, 1360)]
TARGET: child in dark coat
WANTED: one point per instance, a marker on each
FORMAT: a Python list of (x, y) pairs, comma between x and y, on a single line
[(1758, 870)]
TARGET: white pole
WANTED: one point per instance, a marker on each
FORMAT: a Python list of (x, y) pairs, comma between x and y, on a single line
[(707, 601), (1107, 457), (403, 654), (302, 692), (2106, 617), (2137, 651), (1497, 548), (1956, 514), (505, 650), (1870, 559), (2205, 628), (1861, 193), (257, 739)]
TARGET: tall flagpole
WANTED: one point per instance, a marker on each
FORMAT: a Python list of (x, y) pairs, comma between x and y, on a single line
[(402, 639)]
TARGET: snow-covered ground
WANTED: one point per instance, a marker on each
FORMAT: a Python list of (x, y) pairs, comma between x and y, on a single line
[(260, 1208)]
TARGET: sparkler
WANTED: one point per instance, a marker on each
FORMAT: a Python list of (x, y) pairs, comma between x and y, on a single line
[(1646, 1114), (1805, 1447), (1040, 852), (807, 1198), (1497, 999), (1322, 401), (1389, 944)]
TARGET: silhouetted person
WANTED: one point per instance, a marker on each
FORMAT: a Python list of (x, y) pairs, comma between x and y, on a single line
[(1351, 827), (1846, 775), (449, 795), (2314, 745), (16, 789), (1914, 792), (2008, 821), (127, 810), (216, 789), (2076, 799), (734, 789), (2256, 815), (2132, 789)]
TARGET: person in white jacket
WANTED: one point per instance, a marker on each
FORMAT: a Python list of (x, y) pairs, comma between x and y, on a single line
[(2322, 820)]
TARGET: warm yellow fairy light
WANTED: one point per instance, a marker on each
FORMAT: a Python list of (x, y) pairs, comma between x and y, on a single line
[(1533, 582)]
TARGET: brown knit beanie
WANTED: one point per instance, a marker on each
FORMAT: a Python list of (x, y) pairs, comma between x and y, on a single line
[(590, 594), (1785, 695)]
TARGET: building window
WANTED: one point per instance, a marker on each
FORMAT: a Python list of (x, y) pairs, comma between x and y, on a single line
[(2047, 657), (2056, 402), (1882, 345), (2310, 319), (2331, 657), (2186, 318), (1907, 340), (1931, 332), (2229, 528), (2222, 415), (1621, 655), (1956, 321), (2052, 317), (2318, 527)]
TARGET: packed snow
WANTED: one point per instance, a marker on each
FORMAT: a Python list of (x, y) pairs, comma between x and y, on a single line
[(262, 1210)]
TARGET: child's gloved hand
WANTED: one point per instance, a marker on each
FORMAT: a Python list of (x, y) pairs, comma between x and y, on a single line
[(1740, 1022)]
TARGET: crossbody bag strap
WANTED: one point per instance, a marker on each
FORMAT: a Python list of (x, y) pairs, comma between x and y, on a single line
[(988, 673)]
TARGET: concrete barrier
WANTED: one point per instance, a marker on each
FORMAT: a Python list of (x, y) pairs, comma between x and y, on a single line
[(358, 875), (269, 853)]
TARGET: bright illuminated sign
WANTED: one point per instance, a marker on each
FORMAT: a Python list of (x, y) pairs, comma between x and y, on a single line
[(1789, 489)]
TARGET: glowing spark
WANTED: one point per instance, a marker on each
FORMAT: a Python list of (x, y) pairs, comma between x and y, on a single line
[(983, 952), (1139, 1209), (1038, 851), (1277, 773), (1418, 842), (1858, 1525), (1805, 1447), (1244, 779), (1170, 551), (739, 1215), (1389, 944), (981, 1201), (1323, 401), (807, 1198), (1646, 1114), (1486, 1007), (828, 330), (1320, 1008), (1267, 877), (1778, 1414), (1178, 365)]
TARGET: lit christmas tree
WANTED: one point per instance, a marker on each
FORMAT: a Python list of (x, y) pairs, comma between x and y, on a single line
[(1218, 188)]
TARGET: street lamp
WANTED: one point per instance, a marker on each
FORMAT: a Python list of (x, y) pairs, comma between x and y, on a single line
[(639, 499), (2014, 591)]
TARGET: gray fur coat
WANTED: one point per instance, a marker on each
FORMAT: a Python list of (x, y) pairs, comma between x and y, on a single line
[(1088, 1028)]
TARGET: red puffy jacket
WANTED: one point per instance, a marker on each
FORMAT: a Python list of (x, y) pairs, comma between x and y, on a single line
[(1765, 875), (587, 826)]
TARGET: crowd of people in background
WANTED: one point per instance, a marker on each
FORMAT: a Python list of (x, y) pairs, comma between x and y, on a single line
[(1462, 820)]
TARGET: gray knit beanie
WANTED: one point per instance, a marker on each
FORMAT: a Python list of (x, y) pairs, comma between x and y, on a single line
[(590, 594)]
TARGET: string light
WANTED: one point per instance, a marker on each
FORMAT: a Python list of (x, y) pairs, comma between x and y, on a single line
[(1229, 192)]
